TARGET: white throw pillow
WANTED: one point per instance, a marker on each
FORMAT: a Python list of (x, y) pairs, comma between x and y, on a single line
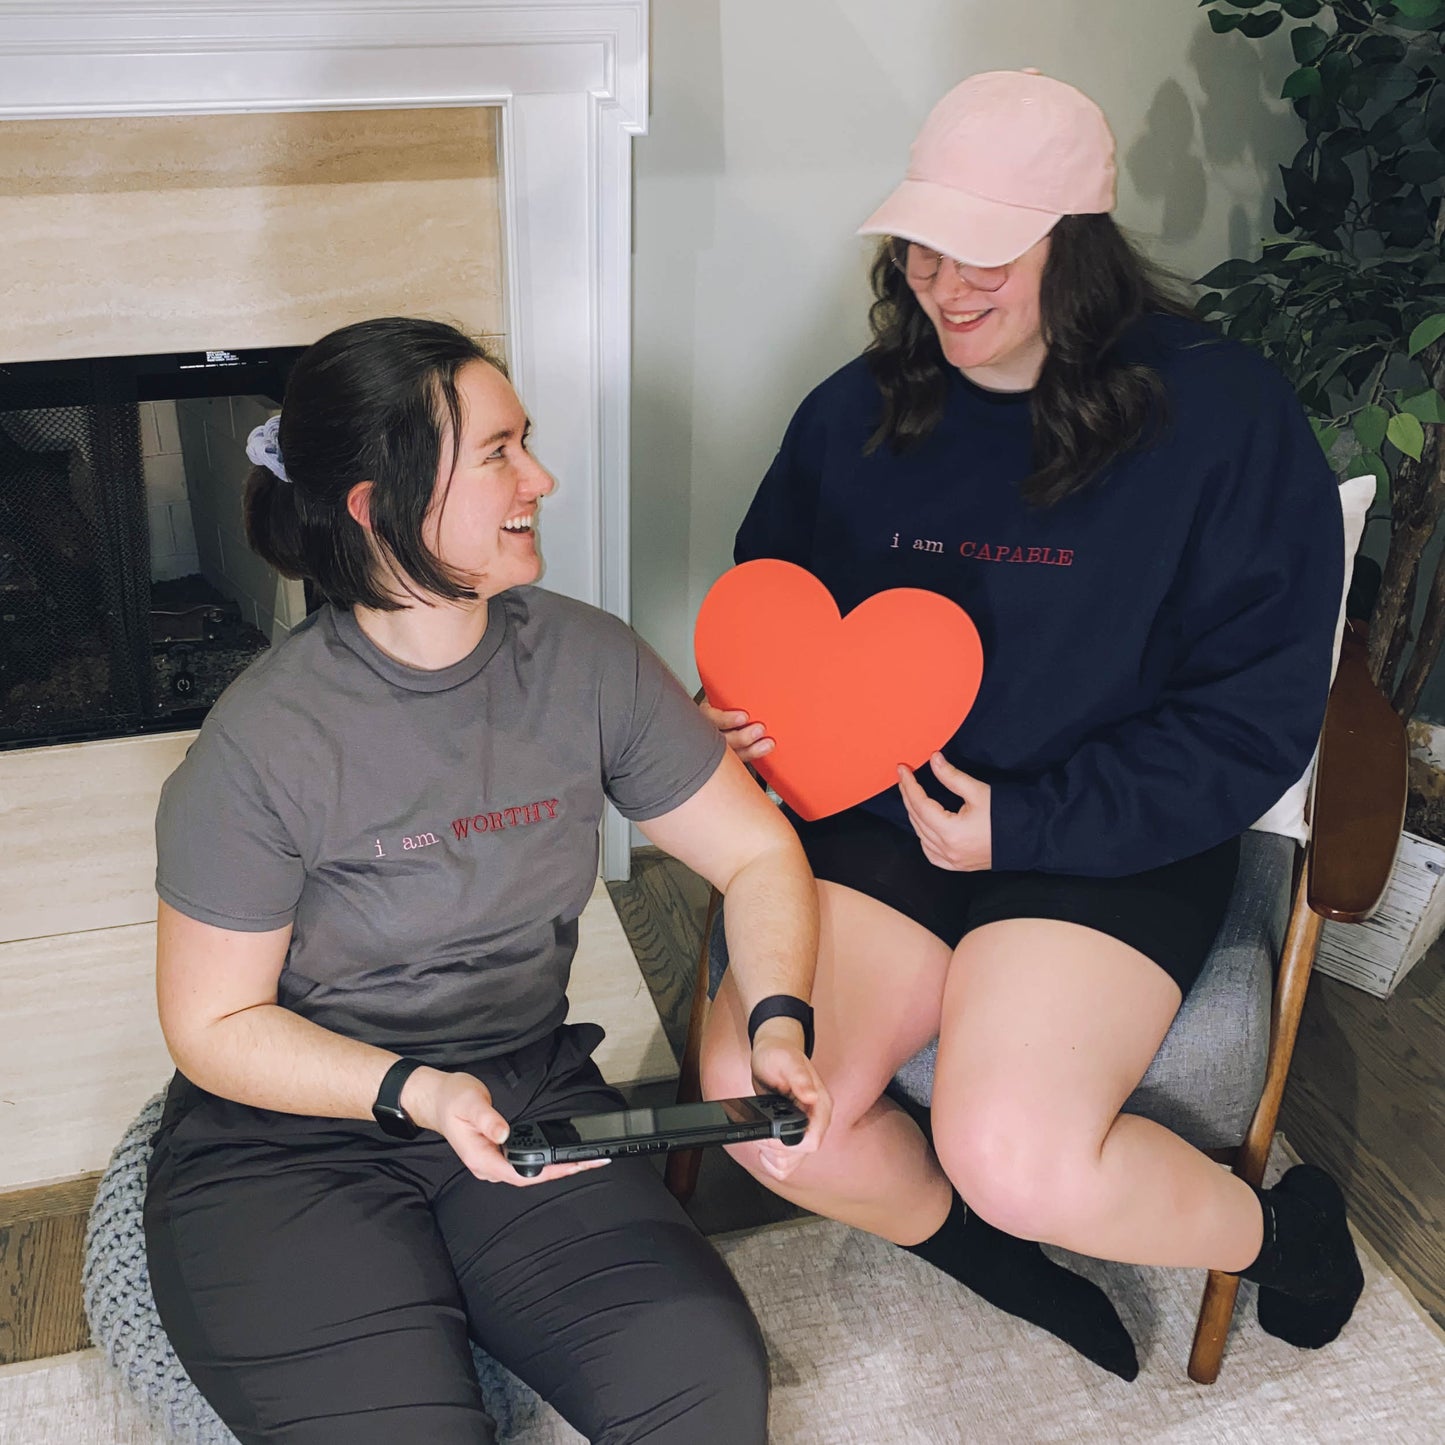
[(1287, 816)]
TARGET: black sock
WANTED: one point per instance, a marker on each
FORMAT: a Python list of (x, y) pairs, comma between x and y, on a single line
[(1308, 1272), (1017, 1277)]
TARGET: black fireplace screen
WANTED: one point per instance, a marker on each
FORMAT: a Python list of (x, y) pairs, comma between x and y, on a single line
[(86, 648), (74, 562)]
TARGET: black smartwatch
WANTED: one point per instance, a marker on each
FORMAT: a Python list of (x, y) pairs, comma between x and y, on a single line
[(387, 1110), (783, 1006)]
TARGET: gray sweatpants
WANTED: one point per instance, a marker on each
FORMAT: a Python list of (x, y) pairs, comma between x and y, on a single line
[(319, 1281)]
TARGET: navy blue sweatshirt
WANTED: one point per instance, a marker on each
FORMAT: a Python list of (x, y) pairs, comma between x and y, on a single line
[(1156, 648)]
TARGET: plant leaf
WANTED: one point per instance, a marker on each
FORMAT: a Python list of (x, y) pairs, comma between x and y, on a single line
[(1404, 221), (1345, 141), (1334, 182), (1428, 406), (1258, 26), (1326, 373), (1302, 82), (1371, 425), (1337, 70), (1426, 333), (1229, 273), (1407, 434), (1419, 168), (1375, 48), (1357, 333), (1374, 462), (1387, 83), (1415, 9), (1219, 22), (1326, 434), (1308, 43), (1299, 189), (1401, 126), (1243, 297), (1301, 9)]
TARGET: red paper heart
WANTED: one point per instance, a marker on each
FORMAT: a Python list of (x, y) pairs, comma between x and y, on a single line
[(846, 699)]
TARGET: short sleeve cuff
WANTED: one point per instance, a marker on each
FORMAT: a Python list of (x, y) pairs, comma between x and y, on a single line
[(249, 923), (682, 792)]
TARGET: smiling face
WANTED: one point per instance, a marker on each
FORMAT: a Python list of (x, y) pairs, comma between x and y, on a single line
[(483, 517), (995, 337)]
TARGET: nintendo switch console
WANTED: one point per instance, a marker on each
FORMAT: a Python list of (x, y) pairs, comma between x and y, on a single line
[(531, 1147)]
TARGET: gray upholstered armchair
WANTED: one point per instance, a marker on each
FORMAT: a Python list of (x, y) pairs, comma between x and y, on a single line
[(1219, 1077)]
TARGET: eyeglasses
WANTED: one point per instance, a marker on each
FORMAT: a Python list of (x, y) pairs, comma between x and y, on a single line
[(921, 264)]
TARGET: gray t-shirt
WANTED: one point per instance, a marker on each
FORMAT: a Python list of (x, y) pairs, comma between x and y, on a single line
[(431, 836)]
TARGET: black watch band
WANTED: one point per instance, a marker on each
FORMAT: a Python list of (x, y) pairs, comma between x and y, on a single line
[(387, 1110), (783, 1006)]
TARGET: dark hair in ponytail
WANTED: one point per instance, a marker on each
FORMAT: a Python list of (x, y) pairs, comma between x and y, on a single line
[(1089, 406), (374, 402)]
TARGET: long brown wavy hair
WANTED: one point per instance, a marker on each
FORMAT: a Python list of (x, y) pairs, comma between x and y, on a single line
[(1089, 405)]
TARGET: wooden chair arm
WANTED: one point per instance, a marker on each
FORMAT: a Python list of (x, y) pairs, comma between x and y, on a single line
[(1359, 793), (1359, 806)]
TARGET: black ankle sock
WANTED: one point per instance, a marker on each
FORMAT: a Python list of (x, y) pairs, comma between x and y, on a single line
[(1308, 1272), (1017, 1277)]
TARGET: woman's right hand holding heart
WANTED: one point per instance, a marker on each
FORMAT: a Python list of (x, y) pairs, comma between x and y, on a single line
[(749, 740)]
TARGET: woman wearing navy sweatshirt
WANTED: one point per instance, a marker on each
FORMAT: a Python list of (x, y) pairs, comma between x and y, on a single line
[(1138, 519)]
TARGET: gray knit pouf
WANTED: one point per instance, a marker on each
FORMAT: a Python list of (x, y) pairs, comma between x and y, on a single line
[(125, 1326)]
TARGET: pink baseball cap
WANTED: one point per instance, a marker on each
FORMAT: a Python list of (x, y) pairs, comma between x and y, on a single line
[(1000, 160)]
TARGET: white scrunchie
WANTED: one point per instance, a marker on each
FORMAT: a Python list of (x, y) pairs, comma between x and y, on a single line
[(263, 447)]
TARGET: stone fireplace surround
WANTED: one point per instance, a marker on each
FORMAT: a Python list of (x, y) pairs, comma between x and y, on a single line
[(569, 80)]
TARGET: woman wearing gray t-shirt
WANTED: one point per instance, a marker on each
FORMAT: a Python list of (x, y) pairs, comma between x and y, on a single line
[(371, 866)]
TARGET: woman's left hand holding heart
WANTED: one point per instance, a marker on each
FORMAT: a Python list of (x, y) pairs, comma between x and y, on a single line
[(962, 840)]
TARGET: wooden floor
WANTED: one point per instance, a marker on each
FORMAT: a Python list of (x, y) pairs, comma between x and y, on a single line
[(1366, 1097), (42, 1244)]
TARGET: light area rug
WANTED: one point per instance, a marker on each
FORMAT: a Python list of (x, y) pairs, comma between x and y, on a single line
[(869, 1346)]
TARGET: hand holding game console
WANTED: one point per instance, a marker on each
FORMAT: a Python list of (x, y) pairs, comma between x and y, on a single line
[(780, 1066), (459, 1108), (539, 1145), (787, 1121)]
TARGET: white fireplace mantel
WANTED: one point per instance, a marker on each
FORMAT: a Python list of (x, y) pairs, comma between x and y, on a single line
[(570, 79)]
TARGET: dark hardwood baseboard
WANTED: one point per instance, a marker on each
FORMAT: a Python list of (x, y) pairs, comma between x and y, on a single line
[(42, 1244)]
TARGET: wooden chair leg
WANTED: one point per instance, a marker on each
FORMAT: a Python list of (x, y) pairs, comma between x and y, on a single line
[(1216, 1314), (1216, 1310), (683, 1165)]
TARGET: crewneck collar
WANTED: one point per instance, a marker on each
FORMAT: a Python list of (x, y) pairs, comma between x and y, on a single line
[(1003, 399), (348, 632)]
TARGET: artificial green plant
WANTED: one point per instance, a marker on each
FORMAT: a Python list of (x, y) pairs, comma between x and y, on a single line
[(1349, 297)]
